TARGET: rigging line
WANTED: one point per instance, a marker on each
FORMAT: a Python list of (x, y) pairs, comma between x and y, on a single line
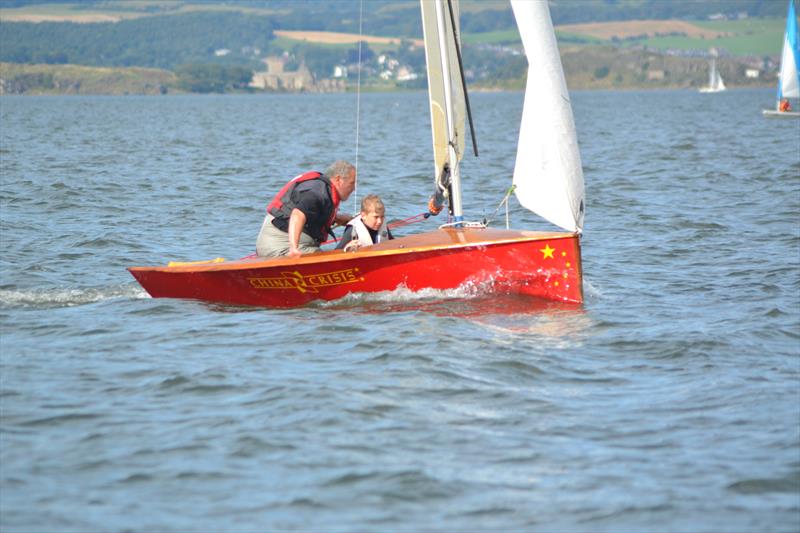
[(503, 201), (358, 102)]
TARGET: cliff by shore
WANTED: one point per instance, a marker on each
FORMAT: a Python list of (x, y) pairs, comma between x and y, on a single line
[(75, 79)]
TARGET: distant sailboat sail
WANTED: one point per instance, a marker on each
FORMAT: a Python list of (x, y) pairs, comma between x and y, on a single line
[(548, 175), (788, 80), (715, 83)]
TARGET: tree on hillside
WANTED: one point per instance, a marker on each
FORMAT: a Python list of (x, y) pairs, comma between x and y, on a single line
[(210, 78), (162, 41)]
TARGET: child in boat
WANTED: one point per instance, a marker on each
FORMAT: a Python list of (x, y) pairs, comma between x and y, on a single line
[(368, 227)]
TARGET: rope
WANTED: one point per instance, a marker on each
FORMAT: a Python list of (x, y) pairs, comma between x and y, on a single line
[(358, 100), (463, 224), (409, 220), (508, 194)]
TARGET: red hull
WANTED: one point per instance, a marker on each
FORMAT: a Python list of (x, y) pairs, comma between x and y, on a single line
[(547, 265)]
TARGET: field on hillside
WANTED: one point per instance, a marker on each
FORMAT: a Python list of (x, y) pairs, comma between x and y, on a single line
[(115, 11), (634, 28), (745, 37), (740, 37), (329, 37), (737, 37)]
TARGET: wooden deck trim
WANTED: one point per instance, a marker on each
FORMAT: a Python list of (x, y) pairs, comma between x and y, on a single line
[(441, 239)]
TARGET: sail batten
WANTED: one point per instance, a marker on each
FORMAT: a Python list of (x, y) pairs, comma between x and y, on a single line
[(547, 174)]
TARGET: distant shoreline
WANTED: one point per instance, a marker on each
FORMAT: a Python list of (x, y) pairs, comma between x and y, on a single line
[(623, 72), (475, 90)]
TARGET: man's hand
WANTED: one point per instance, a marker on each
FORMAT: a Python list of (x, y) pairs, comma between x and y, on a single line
[(352, 246), (296, 222)]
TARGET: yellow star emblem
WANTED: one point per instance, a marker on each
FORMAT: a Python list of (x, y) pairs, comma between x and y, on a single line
[(547, 251)]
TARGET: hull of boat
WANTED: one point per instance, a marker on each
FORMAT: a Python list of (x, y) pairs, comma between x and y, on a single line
[(772, 113), (542, 264)]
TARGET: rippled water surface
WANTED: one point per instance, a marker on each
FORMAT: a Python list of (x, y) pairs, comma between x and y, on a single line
[(670, 401)]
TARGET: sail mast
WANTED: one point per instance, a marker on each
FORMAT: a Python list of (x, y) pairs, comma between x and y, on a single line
[(455, 176), (446, 98), (712, 75)]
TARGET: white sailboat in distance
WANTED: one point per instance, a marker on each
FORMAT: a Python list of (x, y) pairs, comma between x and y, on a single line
[(715, 83)]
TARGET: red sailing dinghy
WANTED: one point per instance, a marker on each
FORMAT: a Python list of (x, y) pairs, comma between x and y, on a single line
[(548, 180)]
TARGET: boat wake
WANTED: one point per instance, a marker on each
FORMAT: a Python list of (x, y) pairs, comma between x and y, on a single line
[(471, 300), (504, 313), (401, 295), (67, 297)]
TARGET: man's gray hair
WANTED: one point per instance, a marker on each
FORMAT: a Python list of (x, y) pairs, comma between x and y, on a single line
[(340, 168)]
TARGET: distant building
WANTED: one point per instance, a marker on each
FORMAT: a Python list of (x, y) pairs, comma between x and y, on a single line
[(276, 79), (655, 75), (406, 74), (221, 52), (752, 73)]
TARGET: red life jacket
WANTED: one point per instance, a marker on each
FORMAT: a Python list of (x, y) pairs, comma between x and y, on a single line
[(282, 204)]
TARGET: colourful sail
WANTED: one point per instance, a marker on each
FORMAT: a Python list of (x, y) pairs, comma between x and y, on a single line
[(789, 83)]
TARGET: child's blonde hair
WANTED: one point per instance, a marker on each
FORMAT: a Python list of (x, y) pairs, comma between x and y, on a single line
[(372, 202)]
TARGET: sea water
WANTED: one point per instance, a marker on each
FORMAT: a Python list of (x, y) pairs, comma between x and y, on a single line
[(670, 401)]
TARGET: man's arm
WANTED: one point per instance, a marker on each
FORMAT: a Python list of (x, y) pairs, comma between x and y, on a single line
[(297, 221), (343, 218)]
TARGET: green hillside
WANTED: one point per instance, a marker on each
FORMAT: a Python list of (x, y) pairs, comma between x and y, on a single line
[(212, 46)]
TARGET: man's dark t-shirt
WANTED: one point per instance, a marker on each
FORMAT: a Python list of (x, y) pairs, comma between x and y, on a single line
[(313, 199)]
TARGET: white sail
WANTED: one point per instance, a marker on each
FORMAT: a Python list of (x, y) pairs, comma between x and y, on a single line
[(446, 95), (715, 80), (715, 83), (720, 85), (789, 84), (548, 173)]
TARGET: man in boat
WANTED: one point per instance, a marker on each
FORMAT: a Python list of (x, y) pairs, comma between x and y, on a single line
[(368, 227), (301, 215), (785, 106)]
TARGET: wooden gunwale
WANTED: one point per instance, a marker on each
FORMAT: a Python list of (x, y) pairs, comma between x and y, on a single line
[(441, 239)]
